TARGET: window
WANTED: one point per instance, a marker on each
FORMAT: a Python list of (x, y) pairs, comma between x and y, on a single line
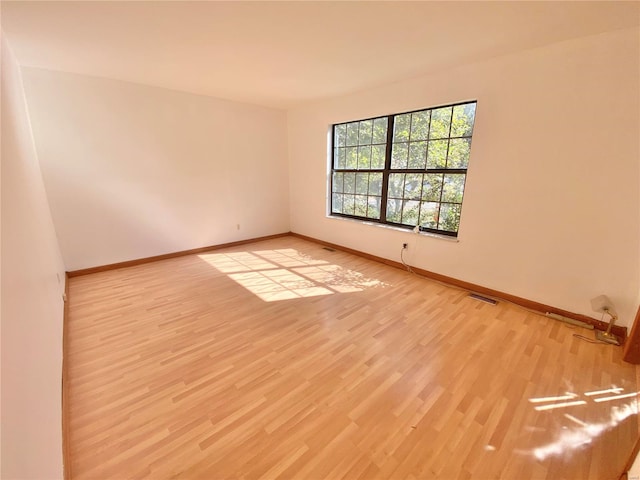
[(407, 169)]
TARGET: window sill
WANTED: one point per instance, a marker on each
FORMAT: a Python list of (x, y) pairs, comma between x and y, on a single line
[(397, 229)]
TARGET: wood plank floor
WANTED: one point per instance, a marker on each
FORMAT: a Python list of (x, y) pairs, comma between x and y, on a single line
[(280, 359)]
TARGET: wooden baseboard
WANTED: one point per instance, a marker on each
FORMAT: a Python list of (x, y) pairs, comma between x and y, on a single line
[(530, 304), (617, 330), (140, 261), (66, 454)]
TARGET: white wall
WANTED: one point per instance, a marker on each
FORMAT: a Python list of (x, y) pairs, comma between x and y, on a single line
[(551, 203), (133, 171), (32, 307)]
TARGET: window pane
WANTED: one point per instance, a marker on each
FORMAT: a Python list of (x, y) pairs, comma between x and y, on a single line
[(339, 157), (377, 156), (431, 187), (410, 212), (351, 158), (336, 203), (413, 186), (340, 132), (362, 183), (420, 125), (349, 182), (437, 155), (424, 142), (374, 207), (394, 210), (463, 119), (375, 184), (380, 130), (364, 158), (453, 188), (449, 217), (440, 122), (401, 128), (429, 214), (348, 204), (336, 185), (399, 155), (365, 132), (352, 133), (396, 185), (417, 154), (459, 153), (361, 205)]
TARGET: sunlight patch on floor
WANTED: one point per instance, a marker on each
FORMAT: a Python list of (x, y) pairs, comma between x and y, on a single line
[(580, 433), (285, 274)]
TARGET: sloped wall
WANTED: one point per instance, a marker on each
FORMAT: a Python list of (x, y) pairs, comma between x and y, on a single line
[(32, 306)]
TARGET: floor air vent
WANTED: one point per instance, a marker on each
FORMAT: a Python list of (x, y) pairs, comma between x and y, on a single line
[(488, 300), (328, 249)]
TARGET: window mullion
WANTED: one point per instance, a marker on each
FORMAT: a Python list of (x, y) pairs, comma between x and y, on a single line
[(441, 167), (387, 168), (446, 164), (333, 167)]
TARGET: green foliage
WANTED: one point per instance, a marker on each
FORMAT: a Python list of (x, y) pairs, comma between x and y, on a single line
[(352, 134), (351, 161), (394, 210), (364, 158), (377, 156), (463, 119), (429, 214), (365, 129), (412, 186), (396, 185), (459, 153), (437, 138), (373, 210), (348, 204), (417, 154), (440, 123), (375, 184), (349, 182), (337, 183), (336, 203), (340, 134), (380, 126), (449, 217), (360, 205), (402, 124), (453, 188), (420, 125), (362, 183), (437, 154), (410, 210), (339, 157), (432, 187), (399, 155)]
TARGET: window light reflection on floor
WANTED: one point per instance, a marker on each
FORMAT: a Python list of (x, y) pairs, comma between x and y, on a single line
[(581, 433), (285, 274)]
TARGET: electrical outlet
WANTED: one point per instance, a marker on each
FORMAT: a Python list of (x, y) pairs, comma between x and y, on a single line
[(405, 245)]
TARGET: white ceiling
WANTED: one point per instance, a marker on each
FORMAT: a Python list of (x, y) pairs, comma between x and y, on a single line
[(281, 54)]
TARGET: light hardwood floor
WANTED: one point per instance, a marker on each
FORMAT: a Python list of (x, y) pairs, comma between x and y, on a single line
[(280, 359)]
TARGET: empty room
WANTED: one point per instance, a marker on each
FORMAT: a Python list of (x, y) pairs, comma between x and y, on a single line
[(320, 240)]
